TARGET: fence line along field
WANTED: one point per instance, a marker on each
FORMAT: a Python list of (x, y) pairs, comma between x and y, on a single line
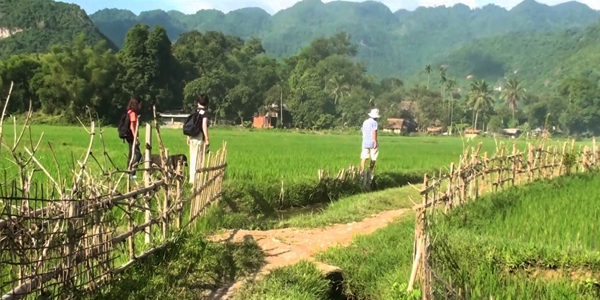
[(536, 241), (63, 239)]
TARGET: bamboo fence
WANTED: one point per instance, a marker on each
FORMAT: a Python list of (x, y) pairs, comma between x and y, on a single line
[(475, 175), (60, 240)]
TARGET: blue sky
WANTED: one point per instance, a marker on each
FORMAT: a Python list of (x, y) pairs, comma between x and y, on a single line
[(272, 6)]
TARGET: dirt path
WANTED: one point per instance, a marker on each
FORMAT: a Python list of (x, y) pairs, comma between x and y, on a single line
[(289, 246)]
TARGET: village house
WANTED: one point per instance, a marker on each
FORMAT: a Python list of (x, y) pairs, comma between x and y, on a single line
[(173, 119), (269, 117), (511, 132), (395, 126)]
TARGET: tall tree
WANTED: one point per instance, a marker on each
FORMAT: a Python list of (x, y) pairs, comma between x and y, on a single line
[(480, 97), (428, 71), (162, 71), (450, 88), (135, 59), (337, 88), (513, 92), (73, 78)]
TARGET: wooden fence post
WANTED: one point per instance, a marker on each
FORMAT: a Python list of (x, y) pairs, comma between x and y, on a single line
[(178, 204), (562, 160), (586, 159), (148, 181), (450, 189)]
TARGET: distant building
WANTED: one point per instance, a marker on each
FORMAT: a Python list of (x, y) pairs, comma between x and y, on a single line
[(173, 119), (395, 126), (435, 129), (469, 133), (268, 120), (268, 117), (511, 132)]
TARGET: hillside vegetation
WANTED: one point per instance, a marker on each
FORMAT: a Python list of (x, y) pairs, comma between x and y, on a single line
[(542, 59), (38, 24), (389, 43)]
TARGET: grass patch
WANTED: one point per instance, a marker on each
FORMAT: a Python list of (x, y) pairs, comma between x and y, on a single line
[(355, 208), (302, 281), (188, 269), (377, 266), (345, 210), (533, 242)]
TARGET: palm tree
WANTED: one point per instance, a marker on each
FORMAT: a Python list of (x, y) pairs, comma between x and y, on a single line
[(513, 92), (337, 88), (428, 70), (443, 79), (450, 86), (480, 97)]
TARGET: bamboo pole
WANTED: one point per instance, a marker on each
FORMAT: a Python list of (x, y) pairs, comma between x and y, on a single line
[(178, 219), (148, 182), (165, 202)]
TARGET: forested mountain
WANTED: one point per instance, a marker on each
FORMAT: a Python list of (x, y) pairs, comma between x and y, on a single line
[(542, 59), (389, 43), (34, 25)]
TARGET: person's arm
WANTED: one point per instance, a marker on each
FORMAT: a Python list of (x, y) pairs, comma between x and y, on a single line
[(133, 119), (375, 137), (205, 130)]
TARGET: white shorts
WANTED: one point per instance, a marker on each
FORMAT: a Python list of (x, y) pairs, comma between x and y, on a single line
[(370, 153)]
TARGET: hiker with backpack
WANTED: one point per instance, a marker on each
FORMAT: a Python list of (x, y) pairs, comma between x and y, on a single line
[(128, 131), (196, 130)]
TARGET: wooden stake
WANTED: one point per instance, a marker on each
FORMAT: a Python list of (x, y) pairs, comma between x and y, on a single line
[(148, 181)]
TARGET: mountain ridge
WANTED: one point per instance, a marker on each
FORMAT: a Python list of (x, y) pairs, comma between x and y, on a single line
[(390, 43)]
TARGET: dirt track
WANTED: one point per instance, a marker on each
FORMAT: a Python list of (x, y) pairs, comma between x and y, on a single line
[(289, 246)]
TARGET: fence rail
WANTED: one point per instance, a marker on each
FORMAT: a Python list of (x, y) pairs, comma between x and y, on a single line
[(475, 175), (59, 240)]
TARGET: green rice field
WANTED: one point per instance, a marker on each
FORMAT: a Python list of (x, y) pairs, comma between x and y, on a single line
[(538, 241), (262, 155), (267, 171)]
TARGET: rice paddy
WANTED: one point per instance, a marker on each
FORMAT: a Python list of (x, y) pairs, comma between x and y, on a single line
[(534, 242), (260, 155)]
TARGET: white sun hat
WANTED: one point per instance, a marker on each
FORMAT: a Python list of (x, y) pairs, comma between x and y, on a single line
[(374, 113)]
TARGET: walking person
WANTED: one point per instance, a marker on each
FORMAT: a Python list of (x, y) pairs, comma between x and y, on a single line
[(130, 124), (196, 129), (370, 144)]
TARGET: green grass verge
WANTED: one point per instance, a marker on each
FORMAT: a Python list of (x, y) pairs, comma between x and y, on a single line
[(377, 266), (345, 210), (302, 281), (188, 269), (355, 208), (533, 242)]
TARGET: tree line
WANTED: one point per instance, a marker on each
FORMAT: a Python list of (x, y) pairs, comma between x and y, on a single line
[(323, 86)]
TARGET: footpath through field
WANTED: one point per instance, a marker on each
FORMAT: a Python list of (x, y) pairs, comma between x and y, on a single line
[(289, 246)]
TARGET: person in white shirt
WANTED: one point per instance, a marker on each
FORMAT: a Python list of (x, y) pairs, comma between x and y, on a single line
[(370, 144)]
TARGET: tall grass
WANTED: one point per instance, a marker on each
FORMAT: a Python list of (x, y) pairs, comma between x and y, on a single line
[(533, 242), (562, 214)]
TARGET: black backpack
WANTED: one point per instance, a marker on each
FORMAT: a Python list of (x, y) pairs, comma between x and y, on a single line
[(124, 127), (193, 124)]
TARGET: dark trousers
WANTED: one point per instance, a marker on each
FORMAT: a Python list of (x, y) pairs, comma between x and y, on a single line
[(137, 156)]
